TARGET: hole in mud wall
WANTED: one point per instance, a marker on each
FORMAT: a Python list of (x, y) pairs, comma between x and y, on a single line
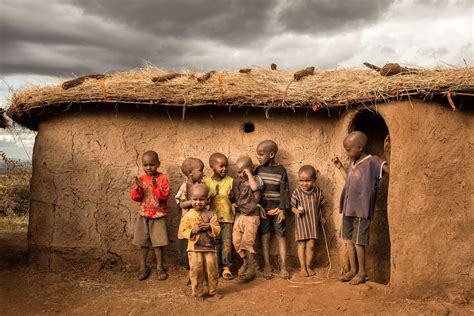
[(378, 253), (249, 127)]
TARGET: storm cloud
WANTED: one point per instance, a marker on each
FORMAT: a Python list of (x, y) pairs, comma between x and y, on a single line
[(75, 37)]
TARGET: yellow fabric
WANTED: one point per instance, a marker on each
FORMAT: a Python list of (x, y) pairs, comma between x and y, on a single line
[(220, 204), (190, 220)]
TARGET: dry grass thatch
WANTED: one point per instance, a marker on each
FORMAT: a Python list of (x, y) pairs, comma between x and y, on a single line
[(255, 88)]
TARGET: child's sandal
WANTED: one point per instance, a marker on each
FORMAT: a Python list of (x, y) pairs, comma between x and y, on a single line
[(226, 274), (142, 275), (161, 275)]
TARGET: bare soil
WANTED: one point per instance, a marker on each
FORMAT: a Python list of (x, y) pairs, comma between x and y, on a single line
[(29, 291)]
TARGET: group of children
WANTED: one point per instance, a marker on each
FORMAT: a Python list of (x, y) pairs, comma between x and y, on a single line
[(219, 213)]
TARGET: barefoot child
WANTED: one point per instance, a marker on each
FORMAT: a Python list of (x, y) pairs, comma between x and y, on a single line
[(276, 201), (220, 186), (200, 227), (306, 203), (152, 191), (246, 195), (358, 200), (192, 168)]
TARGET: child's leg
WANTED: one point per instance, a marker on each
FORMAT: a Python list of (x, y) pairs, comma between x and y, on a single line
[(267, 269), (226, 247), (310, 256), (143, 257), (361, 274), (161, 274), (301, 247), (282, 248), (351, 252), (211, 271), (196, 272), (182, 253)]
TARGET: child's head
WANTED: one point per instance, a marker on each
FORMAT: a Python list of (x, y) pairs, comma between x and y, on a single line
[(354, 144), (199, 196), (193, 169), (266, 152), (307, 177), (218, 163), (242, 164), (150, 162)]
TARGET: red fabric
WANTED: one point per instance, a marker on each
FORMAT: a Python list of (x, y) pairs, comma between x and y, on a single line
[(153, 199)]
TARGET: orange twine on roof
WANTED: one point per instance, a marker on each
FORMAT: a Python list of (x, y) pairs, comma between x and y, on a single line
[(104, 90), (220, 78), (286, 93)]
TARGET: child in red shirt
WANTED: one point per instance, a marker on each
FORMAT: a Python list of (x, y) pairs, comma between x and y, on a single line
[(151, 190)]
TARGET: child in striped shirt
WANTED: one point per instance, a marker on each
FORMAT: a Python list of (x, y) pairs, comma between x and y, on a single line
[(276, 201), (306, 203)]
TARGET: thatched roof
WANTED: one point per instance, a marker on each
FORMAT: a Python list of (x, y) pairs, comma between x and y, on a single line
[(254, 87), (3, 119)]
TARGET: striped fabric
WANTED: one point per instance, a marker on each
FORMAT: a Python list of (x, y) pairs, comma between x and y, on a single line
[(275, 191), (306, 225)]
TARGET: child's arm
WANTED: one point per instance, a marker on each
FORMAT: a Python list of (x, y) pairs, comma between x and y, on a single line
[(137, 191), (295, 205), (284, 198), (340, 166), (322, 202), (188, 230), (161, 189), (386, 149), (256, 185), (214, 227)]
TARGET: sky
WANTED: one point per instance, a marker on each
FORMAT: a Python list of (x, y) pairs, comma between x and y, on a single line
[(42, 42)]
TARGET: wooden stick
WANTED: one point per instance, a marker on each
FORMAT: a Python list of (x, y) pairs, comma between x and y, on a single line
[(166, 77)]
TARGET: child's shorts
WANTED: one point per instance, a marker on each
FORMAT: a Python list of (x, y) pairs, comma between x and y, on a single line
[(355, 229), (269, 224), (150, 232)]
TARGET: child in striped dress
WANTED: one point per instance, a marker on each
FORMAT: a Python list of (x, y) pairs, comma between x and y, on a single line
[(306, 203)]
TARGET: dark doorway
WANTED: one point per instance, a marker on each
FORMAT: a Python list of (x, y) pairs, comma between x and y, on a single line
[(378, 253)]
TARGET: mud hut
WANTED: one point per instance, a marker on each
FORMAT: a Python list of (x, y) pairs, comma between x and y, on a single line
[(92, 131)]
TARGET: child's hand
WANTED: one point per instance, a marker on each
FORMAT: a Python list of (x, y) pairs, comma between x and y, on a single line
[(233, 208), (300, 210), (204, 226), (248, 172), (153, 181), (323, 221), (138, 183), (217, 190), (337, 162), (273, 212), (281, 217), (195, 230), (387, 144)]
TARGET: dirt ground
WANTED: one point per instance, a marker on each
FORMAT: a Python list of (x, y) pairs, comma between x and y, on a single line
[(25, 290)]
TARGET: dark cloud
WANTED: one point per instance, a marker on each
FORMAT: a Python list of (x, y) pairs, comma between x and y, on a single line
[(62, 37), (320, 16), (230, 21)]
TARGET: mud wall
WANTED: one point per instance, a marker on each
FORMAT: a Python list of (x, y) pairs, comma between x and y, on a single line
[(84, 164)]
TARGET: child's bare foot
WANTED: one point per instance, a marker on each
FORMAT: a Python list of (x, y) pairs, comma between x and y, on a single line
[(215, 296), (311, 272), (284, 274), (302, 273), (243, 269), (249, 275), (347, 276), (267, 273), (358, 279)]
